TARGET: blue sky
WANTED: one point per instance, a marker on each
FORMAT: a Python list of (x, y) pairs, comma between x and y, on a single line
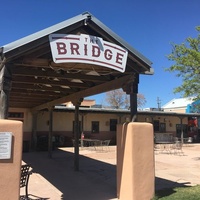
[(148, 26)]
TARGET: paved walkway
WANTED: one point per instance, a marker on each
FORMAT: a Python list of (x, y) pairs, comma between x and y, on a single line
[(55, 178), (178, 169)]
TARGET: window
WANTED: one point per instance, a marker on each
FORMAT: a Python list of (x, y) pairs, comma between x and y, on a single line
[(95, 127), (16, 116), (156, 125), (179, 130), (113, 124), (162, 127)]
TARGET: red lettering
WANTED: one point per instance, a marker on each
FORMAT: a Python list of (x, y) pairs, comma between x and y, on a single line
[(74, 48), (61, 48), (95, 51), (119, 58), (108, 54), (85, 49)]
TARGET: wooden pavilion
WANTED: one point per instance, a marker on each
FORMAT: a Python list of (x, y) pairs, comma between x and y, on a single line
[(29, 77)]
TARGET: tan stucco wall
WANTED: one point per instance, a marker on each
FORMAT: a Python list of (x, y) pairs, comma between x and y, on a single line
[(104, 121), (170, 121), (61, 121), (27, 122), (10, 169), (64, 121), (135, 161)]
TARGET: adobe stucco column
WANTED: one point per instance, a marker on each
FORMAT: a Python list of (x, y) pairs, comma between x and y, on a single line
[(135, 161), (10, 169)]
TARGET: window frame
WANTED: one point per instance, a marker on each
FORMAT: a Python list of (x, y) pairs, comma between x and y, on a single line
[(113, 124), (95, 126)]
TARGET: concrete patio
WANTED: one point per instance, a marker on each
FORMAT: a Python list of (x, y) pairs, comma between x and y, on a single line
[(56, 179)]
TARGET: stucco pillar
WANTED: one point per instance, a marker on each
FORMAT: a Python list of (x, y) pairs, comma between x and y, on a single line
[(10, 169), (135, 161)]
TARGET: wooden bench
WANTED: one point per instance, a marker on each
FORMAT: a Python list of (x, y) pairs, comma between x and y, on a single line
[(26, 171)]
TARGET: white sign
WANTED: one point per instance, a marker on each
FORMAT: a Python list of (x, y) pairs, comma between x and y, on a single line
[(5, 145), (87, 49)]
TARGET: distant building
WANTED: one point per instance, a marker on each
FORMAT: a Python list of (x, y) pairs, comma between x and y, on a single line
[(100, 123), (152, 109), (194, 107), (178, 105)]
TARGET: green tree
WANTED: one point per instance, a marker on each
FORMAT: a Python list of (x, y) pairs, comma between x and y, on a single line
[(186, 58)]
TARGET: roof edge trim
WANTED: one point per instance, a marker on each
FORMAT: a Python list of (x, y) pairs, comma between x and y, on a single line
[(27, 39)]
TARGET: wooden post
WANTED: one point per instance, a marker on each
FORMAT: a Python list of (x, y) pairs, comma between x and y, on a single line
[(76, 134), (133, 106), (50, 132), (131, 88), (181, 118), (34, 131), (5, 86)]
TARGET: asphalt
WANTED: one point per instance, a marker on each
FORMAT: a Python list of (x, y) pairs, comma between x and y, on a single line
[(55, 178)]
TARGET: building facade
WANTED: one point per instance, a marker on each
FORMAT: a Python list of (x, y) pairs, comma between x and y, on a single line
[(95, 123)]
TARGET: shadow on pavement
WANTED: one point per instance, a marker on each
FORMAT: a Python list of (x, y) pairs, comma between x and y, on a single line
[(95, 179), (168, 188), (161, 184)]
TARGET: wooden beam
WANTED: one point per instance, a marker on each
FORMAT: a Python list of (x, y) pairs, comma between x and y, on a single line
[(44, 94), (47, 63), (49, 73), (40, 87), (107, 86), (47, 81), (36, 97), (22, 104)]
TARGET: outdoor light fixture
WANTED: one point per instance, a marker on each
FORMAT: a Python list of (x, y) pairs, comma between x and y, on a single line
[(87, 20)]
